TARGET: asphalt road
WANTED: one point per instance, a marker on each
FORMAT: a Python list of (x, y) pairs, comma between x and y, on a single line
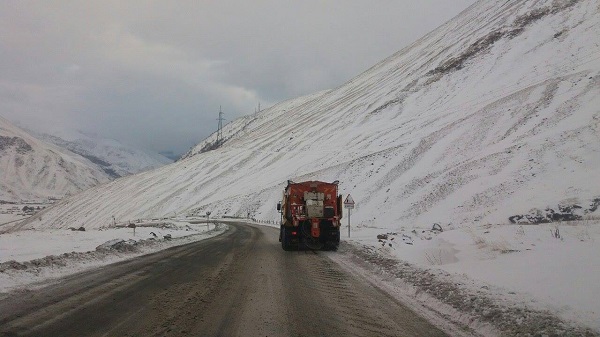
[(240, 283)]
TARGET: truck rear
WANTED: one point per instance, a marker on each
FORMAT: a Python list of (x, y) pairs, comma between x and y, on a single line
[(310, 215)]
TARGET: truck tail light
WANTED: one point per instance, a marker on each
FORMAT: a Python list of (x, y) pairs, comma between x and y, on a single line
[(294, 233), (315, 231)]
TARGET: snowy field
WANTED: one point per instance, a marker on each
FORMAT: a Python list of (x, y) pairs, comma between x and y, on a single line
[(549, 267), (6, 218), (33, 257), (12, 212)]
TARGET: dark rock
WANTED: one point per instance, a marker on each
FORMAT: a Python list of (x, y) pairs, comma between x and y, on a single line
[(382, 236), (19, 144)]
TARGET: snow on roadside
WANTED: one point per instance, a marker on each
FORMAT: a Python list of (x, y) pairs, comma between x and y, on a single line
[(517, 278), (31, 258)]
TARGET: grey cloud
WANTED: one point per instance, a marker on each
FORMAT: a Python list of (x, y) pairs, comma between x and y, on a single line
[(155, 72)]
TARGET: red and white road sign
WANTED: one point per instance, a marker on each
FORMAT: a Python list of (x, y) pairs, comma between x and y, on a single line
[(349, 202)]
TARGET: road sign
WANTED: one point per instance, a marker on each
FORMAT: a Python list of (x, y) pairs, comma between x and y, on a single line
[(349, 202)]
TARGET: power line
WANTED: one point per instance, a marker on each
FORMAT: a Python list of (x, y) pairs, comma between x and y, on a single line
[(220, 128)]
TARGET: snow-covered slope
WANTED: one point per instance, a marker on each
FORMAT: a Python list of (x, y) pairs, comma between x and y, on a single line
[(33, 170), (111, 156), (241, 126), (492, 114)]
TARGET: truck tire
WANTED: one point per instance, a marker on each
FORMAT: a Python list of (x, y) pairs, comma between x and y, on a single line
[(285, 240), (334, 240)]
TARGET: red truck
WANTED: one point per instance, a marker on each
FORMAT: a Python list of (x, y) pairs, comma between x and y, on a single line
[(310, 215)]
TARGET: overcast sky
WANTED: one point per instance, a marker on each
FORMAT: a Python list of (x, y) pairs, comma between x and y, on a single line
[(153, 73)]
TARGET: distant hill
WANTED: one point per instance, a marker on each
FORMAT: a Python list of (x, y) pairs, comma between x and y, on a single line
[(111, 156), (33, 170)]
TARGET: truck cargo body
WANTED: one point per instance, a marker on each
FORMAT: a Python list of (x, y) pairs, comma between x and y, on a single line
[(310, 215)]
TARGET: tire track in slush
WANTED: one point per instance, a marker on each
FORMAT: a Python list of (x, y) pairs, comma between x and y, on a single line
[(359, 310)]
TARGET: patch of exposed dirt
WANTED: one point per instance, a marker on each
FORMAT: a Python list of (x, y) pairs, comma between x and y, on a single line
[(19, 144), (487, 41), (569, 212)]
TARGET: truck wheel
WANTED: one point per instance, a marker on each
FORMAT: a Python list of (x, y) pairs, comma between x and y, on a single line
[(285, 239), (334, 240)]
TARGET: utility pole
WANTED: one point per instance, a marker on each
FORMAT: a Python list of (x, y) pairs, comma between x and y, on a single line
[(220, 129)]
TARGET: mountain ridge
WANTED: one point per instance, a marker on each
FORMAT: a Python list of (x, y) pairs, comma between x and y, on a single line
[(113, 157), (33, 170), (490, 115)]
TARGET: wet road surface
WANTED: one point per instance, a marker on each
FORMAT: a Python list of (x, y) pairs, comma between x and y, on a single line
[(240, 283)]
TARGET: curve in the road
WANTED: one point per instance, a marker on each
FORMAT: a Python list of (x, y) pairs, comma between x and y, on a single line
[(237, 284)]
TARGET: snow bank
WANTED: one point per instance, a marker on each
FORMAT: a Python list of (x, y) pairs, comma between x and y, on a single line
[(30, 257), (553, 268)]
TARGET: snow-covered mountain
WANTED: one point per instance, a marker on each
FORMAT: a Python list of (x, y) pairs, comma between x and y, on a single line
[(33, 170), (111, 156), (492, 114)]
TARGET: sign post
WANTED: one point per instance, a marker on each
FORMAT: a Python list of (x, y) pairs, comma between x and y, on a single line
[(349, 205)]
